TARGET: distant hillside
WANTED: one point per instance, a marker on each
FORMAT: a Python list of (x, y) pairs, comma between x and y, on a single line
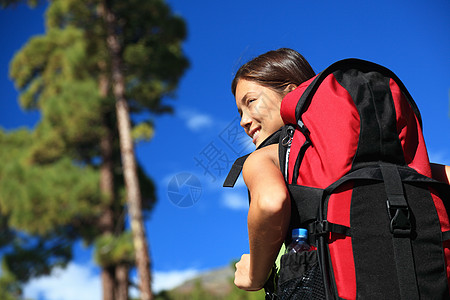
[(215, 284), (218, 282)]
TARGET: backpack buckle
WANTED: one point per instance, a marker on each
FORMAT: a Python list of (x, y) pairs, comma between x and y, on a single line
[(400, 219), (318, 228)]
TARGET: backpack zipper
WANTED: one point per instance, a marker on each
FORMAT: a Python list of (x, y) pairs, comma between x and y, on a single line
[(290, 135)]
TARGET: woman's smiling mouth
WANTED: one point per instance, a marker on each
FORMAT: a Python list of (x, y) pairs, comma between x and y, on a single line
[(254, 134)]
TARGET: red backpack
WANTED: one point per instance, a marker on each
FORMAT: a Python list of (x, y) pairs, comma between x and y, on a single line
[(356, 166)]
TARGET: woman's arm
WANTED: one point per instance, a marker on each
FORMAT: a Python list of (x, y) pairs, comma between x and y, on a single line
[(268, 217), (440, 172)]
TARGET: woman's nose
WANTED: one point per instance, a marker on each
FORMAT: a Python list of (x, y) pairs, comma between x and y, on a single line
[(245, 120)]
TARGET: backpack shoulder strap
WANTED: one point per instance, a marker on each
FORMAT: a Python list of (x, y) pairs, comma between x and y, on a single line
[(235, 171), (236, 168)]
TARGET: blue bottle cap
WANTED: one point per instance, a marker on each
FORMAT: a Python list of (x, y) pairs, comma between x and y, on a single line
[(299, 232)]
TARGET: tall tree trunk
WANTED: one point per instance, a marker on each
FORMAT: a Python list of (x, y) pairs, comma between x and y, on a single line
[(122, 282), (114, 278), (128, 158), (106, 222), (107, 277)]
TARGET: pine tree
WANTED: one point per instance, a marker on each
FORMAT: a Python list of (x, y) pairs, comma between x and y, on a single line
[(127, 42), (8, 3), (42, 208), (127, 150), (68, 75)]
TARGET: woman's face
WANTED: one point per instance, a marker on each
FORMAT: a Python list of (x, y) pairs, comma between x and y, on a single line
[(259, 108)]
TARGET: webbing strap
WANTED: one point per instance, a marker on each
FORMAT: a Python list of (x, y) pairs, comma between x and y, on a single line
[(299, 160), (325, 227), (236, 169), (401, 232)]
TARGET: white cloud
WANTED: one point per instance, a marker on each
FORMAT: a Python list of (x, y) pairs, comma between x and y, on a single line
[(72, 283), (81, 282), (166, 280), (196, 121), (235, 200)]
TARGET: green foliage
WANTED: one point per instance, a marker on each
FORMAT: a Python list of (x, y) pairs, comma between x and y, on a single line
[(10, 288), (112, 249), (151, 38), (228, 291), (142, 132), (46, 62), (7, 3), (49, 177), (71, 124), (39, 198), (152, 52), (200, 293), (34, 256), (47, 205), (238, 294)]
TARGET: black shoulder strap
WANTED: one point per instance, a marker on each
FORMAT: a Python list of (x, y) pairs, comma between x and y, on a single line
[(236, 168), (235, 171)]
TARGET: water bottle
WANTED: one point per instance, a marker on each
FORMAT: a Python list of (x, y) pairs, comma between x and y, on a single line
[(299, 241)]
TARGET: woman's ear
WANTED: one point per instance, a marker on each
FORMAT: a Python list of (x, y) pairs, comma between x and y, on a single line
[(290, 88)]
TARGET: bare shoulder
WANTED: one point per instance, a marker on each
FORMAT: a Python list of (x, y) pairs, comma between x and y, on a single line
[(261, 161), (263, 177)]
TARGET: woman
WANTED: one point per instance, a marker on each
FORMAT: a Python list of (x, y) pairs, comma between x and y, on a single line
[(259, 86)]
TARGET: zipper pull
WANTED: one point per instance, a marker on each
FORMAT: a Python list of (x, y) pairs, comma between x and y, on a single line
[(287, 140)]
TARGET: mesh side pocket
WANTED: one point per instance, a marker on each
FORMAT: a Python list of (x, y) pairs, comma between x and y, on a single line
[(300, 277)]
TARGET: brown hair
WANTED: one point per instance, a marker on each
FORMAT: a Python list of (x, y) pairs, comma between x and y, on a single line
[(276, 69)]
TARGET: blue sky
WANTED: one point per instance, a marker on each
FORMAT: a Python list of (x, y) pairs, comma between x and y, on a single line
[(412, 38)]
